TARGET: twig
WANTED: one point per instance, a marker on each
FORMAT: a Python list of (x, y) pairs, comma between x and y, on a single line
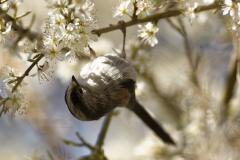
[(20, 79), (84, 142), (23, 32), (154, 17), (230, 81), (104, 129), (23, 15), (135, 8), (97, 151), (71, 143), (189, 54), (177, 28)]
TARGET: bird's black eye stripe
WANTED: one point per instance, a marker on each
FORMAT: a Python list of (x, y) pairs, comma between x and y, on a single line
[(76, 97), (80, 90), (129, 84), (77, 100)]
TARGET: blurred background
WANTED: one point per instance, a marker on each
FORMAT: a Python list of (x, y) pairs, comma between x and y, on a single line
[(165, 89)]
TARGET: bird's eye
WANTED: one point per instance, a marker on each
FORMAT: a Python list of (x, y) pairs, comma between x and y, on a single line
[(80, 90)]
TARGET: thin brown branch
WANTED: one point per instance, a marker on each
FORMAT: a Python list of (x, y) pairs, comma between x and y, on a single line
[(228, 91), (84, 142), (104, 129), (23, 15), (20, 79), (189, 54), (135, 8), (154, 17), (177, 28), (23, 32)]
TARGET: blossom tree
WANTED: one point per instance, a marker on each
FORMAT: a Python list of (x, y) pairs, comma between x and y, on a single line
[(199, 126)]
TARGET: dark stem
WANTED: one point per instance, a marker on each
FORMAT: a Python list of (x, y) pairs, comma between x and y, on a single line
[(123, 29), (20, 79)]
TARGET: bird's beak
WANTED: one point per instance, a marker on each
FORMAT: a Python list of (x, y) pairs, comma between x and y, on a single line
[(74, 80)]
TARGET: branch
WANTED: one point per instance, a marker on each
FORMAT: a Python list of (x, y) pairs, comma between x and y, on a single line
[(177, 28), (23, 32), (154, 17), (20, 79), (230, 82), (189, 54), (104, 129), (84, 142)]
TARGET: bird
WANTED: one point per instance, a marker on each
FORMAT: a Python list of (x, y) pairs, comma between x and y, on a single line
[(106, 82)]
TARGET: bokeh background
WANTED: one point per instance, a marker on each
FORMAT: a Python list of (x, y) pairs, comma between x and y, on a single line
[(170, 98)]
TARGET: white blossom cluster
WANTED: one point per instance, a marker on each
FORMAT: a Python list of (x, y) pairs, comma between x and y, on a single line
[(68, 27), (229, 7), (146, 32), (138, 56), (7, 35), (11, 101), (232, 9), (142, 6), (190, 12)]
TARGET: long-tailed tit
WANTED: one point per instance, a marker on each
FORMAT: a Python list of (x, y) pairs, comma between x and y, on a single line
[(106, 82)]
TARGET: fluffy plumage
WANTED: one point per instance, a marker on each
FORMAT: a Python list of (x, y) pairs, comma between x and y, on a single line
[(109, 74)]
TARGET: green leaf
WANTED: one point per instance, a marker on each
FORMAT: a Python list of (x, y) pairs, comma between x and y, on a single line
[(31, 60), (12, 81), (36, 56)]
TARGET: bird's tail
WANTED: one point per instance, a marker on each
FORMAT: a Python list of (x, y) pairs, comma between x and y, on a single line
[(149, 121)]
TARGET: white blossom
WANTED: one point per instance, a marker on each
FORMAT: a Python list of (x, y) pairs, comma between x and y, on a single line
[(85, 11), (208, 1), (9, 77), (57, 4), (7, 35), (30, 48), (9, 74), (121, 9), (228, 8), (43, 72), (8, 27), (52, 37), (147, 33), (190, 13), (72, 34), (139, 58), (56, 19), (53, 52), (5, 6), (15, 101), (144, 6), (68, 33)]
